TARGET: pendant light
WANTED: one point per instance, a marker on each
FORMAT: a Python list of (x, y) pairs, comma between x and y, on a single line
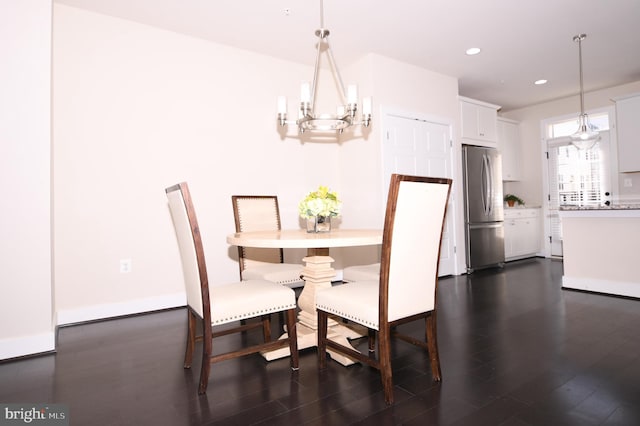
[(587, 134), (346, 115)]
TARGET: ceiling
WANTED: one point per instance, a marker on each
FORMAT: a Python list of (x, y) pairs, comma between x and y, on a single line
[(521, 41)]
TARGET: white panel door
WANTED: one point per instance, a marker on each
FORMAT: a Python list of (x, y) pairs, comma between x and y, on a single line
[(421, 148)]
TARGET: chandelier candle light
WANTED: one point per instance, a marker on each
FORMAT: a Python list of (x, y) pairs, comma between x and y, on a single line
[(318, 207), (346, 114)]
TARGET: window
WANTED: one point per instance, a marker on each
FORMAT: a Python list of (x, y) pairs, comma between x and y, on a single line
[(577, 177)]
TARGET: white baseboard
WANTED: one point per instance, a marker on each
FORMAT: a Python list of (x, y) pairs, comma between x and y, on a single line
[(619, 288), (27, 345), (110, 310)]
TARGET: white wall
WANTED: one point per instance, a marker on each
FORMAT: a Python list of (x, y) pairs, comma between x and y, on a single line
[(530, 187), (137, 109), (26, 324)]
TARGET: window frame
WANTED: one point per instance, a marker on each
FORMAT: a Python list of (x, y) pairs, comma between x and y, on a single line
[(549, 213)]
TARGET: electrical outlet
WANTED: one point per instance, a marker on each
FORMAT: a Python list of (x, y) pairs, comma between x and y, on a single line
[(125, 266)]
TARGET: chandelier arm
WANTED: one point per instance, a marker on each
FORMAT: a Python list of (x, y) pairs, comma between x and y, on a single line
[(315, 74), (336, 73)]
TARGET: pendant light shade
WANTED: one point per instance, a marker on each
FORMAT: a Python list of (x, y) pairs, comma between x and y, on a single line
[(587, 135)]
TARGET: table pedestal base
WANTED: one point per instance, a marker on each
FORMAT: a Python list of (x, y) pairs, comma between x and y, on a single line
[(308, 337), (317, 275)]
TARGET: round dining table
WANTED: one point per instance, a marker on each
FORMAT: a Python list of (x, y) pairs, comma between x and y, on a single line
[(317, 274)]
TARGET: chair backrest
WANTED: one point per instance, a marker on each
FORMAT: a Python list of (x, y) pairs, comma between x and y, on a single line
[(414, 222), (256, 213), (191, 250)]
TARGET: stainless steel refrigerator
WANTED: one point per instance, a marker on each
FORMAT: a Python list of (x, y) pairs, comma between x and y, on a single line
[(483, 206)]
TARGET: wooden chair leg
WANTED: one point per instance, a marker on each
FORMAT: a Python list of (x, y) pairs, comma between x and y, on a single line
[(293, 337), (384, 359), (191, 338), (432, 343), (207, 350), (322, 339), (266, 327), (372, 340)]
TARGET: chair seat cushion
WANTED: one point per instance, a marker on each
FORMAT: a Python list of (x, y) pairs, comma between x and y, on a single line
[(247, 299), (281, 273), (361, 273), (357, 302)]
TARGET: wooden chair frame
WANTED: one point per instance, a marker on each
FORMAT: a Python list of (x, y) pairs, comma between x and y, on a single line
[(236, 218), (274, 255), (208, 333), (387, 329)]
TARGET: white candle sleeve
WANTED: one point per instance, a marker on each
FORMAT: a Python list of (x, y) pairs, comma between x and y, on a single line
[(352, 94), (366, 106), (282, 104), (305, 92)]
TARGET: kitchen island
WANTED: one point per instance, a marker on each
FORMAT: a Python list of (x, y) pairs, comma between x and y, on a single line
[(601, 249)]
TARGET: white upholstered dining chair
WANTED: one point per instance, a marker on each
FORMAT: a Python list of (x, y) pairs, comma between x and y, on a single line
[(261, 213), (406, 288), (227, 304), (361, 272)]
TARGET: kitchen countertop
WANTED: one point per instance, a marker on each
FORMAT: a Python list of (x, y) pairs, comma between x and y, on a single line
[(614, 210), (611, 207)]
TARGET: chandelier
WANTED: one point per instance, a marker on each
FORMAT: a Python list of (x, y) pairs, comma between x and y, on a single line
[(346, 113), (587, 134)]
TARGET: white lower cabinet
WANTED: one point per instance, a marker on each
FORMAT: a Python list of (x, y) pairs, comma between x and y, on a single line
[(521, 232)]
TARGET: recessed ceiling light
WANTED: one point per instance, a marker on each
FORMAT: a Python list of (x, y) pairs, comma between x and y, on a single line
[(540, 82), (472, 51)]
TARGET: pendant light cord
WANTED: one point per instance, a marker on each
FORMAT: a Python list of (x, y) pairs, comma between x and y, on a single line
[(579, 39)]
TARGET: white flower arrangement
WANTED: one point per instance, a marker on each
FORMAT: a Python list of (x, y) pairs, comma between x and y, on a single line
[(322, 202)]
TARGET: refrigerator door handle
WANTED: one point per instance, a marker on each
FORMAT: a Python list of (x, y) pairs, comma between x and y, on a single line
[(486, 225), (491, 188), (485, 182), (482, 186)]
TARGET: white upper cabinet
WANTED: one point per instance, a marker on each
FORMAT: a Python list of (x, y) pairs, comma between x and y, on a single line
[(479, 122), (628, 126), (509, 147)]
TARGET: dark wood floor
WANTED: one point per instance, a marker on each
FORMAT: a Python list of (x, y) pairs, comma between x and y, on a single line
[(515, 350)]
